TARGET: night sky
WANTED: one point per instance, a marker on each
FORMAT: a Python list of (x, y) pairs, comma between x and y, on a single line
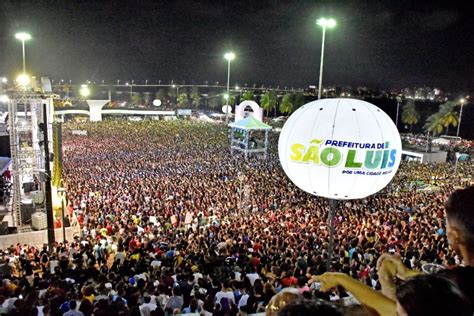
[(385, 44)]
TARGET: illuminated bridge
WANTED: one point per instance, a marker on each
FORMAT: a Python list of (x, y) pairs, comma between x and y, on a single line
[(95, 111)]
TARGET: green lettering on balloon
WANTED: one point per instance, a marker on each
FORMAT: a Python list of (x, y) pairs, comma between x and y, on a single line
[(350, 162), (373, 161), (330, 156), (385, 159), (312, 155)]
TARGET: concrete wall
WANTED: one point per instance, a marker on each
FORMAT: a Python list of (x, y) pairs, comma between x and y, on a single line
[(36, 238)]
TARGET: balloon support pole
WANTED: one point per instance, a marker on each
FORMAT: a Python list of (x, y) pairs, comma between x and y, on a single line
[(331, 215)]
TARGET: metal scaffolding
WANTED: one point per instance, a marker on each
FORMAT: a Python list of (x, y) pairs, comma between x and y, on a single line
[(26, 113)]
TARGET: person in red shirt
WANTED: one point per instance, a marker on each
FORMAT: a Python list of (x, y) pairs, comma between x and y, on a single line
[(255, 260), (109, 229), (288, 280), (256, 246), (80, 220), (8, 175)]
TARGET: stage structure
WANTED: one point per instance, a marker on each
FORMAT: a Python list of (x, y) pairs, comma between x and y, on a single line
[(30, 119), (249, 136)]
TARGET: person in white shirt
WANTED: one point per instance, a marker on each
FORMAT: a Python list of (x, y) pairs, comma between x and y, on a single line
[(253, 275), (162, 298), (197, 275), (156, 264), (237, 273), (225, 292), (244, 296), (147, 307), (53, 263)]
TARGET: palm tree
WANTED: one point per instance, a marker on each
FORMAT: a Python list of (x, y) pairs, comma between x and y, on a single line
[(136, 98), (409, 114), (299, 100), (448, 116), (286, 105), (433, 126), (273, 100), (195, 96), (265, 102), (248, 95), (182, 100), (214, 100), (232, 100)]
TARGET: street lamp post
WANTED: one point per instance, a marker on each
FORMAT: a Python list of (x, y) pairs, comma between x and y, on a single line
[(460, 117), (229, 56), (62, 193), (23, 37), (399, 100), (325, 23)]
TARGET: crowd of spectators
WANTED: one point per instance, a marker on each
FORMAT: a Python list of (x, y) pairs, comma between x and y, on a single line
[(168, 226)]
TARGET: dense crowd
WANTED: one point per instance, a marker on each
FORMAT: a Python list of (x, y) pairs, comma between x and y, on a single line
[(172, 223)]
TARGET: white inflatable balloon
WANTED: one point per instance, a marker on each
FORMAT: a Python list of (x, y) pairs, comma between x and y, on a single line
[(156, 102), (340, 148), (226, 109)]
